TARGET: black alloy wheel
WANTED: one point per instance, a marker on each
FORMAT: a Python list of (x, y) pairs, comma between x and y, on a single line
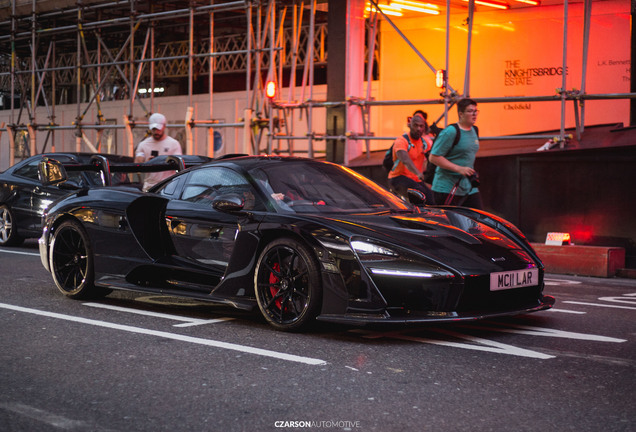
[(8, 232), (288, 285), (71, 258)]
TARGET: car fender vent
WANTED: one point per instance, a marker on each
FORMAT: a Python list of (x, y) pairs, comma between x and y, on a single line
[(435, 227)]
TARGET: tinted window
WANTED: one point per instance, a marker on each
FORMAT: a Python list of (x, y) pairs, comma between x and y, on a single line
[(77, 178), (314, 187), (204, 185), (30, 170), (125, 179), (172, 187)]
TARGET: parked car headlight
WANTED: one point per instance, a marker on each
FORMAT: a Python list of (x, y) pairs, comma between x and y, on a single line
[(383, 261), (365, 249)]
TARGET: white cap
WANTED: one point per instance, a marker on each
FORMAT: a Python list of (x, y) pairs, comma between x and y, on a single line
[(156, 121)]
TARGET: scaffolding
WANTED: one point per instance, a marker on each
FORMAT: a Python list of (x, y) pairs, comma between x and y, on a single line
[(88, 52), (107, 50)]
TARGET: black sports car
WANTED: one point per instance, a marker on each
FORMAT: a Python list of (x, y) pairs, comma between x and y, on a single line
[(24, 197), (296, 238)]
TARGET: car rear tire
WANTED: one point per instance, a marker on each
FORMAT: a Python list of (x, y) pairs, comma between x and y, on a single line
[(288, 285), (71, 260), (8, 232)]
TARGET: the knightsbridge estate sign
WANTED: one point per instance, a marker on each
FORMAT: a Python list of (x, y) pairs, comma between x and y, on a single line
[(515, 74)]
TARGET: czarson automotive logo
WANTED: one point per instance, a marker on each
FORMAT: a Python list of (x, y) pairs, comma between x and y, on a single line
[(517, 75), (327, 424)]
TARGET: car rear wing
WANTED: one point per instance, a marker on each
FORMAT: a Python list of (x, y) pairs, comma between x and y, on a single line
[(51, 171)]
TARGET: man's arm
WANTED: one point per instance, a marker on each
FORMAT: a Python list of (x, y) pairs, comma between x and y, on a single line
[(140, 154), (444, 163), (403, 156)]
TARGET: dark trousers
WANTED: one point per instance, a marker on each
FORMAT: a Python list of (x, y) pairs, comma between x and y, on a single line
[(401, 184), (472, 200)]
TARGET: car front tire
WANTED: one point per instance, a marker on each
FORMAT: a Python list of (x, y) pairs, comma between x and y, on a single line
[(71, 262), (8, 232), (288, 285)]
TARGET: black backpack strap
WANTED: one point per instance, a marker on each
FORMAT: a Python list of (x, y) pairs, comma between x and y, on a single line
[(408, 140), (458, 134)]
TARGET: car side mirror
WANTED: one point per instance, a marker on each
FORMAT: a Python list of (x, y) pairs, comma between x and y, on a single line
[(51, 172), (416, 197), (228, 203)]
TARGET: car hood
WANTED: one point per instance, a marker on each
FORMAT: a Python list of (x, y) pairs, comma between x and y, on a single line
[(443, 236)]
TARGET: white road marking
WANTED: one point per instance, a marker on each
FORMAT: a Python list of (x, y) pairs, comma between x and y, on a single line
[(623, 299), (566, 311), (549, 281), (201, 322), (483, 344), (600, 305), (542, 331), (181, 338), (57, 421), (188, 321), (19, 253)]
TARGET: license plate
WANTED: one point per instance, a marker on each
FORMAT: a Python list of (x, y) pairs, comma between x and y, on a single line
[(514, 279)]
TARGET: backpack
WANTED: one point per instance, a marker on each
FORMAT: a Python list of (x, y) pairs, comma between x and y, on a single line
[(388, 162), (430, 168)]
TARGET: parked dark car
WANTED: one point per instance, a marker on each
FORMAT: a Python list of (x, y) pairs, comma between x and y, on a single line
[(295, 238), (23, 197)]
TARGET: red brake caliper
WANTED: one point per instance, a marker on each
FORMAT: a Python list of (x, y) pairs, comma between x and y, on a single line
[(273, 280)]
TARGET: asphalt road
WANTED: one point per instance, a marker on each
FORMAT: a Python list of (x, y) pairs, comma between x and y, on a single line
[(145, 363)]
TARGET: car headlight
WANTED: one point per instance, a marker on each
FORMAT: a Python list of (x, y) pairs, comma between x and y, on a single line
[(402, 273), (383, 261), (366, 248)]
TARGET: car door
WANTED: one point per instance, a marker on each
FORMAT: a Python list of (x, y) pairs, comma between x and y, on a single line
[(200, 233), (31, 197), (34, 198)]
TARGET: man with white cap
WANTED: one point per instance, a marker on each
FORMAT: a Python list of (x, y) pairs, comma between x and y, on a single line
[(158, 143)]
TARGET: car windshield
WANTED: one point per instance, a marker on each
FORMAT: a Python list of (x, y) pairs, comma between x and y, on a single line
[(315, 187)]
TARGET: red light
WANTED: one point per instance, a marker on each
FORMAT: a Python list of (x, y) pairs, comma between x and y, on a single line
[(557, 239), (270, 89), (440, 78)]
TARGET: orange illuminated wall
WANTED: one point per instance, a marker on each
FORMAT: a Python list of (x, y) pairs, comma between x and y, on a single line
[(516, 52)]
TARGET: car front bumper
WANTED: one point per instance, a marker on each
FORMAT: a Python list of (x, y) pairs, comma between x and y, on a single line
[(43, 244), (396, 317)]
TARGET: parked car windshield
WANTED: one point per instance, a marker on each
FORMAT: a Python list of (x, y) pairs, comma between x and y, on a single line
[(306, 187)]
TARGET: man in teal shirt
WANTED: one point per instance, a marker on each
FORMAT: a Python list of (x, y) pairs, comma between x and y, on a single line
[(455, 161)]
